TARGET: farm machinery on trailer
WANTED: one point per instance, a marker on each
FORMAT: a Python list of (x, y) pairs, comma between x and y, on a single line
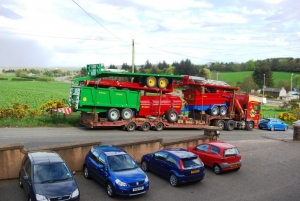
[(136, 100)]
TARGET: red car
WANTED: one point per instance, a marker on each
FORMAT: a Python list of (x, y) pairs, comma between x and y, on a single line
[(219, 155)]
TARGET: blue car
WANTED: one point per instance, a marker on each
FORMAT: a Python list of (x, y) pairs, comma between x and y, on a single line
[(44, 175), (176, 164), (116, 170), (272, 124)]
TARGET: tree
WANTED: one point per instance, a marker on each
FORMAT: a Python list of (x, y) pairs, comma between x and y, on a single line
[(250, 65), (248, 84), (148, 65), (285, 84), (112, 67), (263, 73), (204, 72), (185, 68), (170, 70), (162, 65), (126, 67)]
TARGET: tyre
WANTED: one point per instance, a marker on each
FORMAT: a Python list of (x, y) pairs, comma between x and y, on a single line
[(113, 114), (29, 198), (145, 126), (217, 169), (214, 111), (86, 172), (237, 169), (131, 126), (126, 114), (171, 116), (230, 125), (151, 82), (159, 126), (223, 111), (272, 128), (220, 124), (144, 166), (20, 182), (110, 190), (173, 180), (162, 82), (249, 126)]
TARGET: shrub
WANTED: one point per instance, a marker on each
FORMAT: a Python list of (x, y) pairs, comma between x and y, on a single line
[(286, 116)]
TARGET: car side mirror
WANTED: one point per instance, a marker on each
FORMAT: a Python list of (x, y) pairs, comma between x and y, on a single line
[(73, 172)]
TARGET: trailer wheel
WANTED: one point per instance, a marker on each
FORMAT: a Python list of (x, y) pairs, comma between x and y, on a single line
[(126, 114), (249, 126), (131, 126), (151, 82), (220, 124), (145, 126), (171, 116), (162, 82), (230, 125), (159, 126), (214, 111), (223, 111), (113, 114)]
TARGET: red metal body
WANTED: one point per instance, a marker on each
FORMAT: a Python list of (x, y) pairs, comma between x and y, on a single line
[(158, 105)]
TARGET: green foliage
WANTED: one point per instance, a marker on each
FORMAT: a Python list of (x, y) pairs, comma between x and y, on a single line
[(248, 84), (204, 72), (263, 74)]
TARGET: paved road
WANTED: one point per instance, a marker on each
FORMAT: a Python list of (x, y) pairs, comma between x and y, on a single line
[(270, 171)]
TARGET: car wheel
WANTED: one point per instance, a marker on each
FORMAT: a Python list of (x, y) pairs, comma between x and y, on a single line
[(217, 169), (86, 172), (145, 166), (110, 190), (29, 198), (173, 180), (20, 182), (236, 169), (272, 128)]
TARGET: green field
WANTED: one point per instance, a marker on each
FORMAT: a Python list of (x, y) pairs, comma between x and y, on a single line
[(234, 77)]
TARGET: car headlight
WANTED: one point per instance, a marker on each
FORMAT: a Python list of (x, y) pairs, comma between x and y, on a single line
[(75, 193), (120, 183), (146, 179), (40, 197)]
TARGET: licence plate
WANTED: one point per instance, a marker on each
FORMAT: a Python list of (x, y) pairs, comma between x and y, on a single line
[(195, 171), (138, 189), (234, 165)]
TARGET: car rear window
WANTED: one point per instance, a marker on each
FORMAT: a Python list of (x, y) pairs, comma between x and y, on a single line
[(231, 152), (191, 162)]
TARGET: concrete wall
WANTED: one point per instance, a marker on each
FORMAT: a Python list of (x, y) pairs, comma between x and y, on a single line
[(11, 155)]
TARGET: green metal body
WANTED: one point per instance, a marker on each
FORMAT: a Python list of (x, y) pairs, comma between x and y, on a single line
[(90, 99)]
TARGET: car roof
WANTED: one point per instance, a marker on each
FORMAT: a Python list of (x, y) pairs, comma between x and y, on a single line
[(110, 150), (38, 157), (180, 152), (221, 144)]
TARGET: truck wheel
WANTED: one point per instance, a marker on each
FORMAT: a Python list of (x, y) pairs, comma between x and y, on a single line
[(131, 126), (162, 82), (214, 111), (126, 114), (230, 125), (113, 114), (159, 126), (249, 126), (223, 111), (151, 82), (145, 126), (220, 124), (171, 116)]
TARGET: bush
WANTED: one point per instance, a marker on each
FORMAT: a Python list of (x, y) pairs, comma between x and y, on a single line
[(286, 116)]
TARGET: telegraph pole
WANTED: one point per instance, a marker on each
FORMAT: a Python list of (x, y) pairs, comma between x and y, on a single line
[(133, 55)]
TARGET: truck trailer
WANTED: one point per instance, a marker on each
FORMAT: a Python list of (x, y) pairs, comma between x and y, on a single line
[(203, 103)]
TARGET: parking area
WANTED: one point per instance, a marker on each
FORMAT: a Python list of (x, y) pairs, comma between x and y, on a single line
[(270, 171)]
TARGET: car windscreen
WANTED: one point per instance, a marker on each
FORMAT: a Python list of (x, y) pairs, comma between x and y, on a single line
[(51, 172), (191, 162), (121, 162), (231, 152)]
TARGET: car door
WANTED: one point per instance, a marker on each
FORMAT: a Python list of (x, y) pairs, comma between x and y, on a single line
[(158, 163), (93, 164), (213, 156), (202, 151), (102, 170), (26, 171)]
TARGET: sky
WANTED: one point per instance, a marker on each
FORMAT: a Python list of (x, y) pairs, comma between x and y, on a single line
[(74, 33)]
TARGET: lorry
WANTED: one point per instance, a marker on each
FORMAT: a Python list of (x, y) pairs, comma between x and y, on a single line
[(105, 100)]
